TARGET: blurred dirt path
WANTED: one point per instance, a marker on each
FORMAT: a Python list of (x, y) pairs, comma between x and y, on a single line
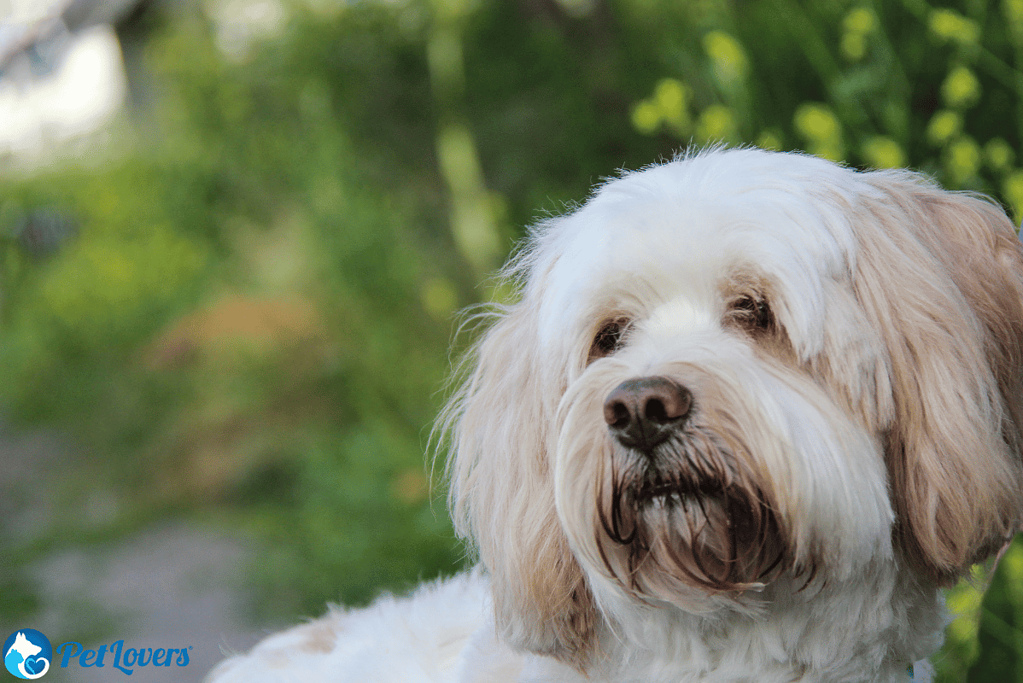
[(173, 585)]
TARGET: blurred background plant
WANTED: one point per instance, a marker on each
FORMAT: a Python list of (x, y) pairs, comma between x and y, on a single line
[(238, 298)]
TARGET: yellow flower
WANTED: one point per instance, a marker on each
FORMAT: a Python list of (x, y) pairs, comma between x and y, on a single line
[(858, 23), (669, 105), (717, 124), (859, 20), (727, 56), (1012, 561), (1013, 10), (1013, 192), (950, 26), (963, 603), (646, 117), (883, 152), (1014, 14), (963, 159), (822, 130), (816, 122), (999, 154), (672, 98), (769, 140), (853, 46), (943, 126), (961, 88)]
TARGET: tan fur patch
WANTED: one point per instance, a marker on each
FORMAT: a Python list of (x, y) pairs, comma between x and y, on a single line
[(941, 277)]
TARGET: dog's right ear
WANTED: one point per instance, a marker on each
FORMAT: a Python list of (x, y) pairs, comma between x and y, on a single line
[(498, 429), (941, 277)]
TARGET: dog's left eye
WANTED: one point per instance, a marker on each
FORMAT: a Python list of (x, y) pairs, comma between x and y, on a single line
[(608, 338), (753, 313)]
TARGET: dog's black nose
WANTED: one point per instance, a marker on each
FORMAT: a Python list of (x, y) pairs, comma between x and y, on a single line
[(642, 413)]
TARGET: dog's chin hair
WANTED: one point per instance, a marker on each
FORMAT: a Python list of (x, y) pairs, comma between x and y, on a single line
[(694, 522)]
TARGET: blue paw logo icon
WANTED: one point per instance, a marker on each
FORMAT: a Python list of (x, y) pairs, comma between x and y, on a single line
[(27, 654)]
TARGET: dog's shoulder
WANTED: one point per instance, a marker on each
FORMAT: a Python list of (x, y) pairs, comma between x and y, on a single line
[(430, 636)]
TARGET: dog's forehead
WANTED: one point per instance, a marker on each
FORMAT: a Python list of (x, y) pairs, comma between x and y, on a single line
[(705, 213), (683, 228)]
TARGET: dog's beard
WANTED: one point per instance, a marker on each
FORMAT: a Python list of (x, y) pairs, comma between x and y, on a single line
[(689, 511), (695, 517)]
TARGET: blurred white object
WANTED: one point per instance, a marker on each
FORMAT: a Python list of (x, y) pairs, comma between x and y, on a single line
[(240, 24), (85, 90), (62, 74)]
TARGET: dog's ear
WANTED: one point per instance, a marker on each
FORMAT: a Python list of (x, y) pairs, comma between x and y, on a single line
[(502, 490), (941, 276)]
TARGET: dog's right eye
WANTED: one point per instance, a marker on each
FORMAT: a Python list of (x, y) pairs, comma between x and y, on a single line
[(752, 313), (608, 338)]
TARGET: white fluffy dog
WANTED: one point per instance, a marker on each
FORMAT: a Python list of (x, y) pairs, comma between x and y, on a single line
[(749, 414)]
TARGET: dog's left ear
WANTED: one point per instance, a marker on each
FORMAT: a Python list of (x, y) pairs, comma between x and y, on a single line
[(941, 276), (502, 493)]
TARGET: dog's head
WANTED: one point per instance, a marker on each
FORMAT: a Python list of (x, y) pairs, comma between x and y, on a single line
[(735, 369)]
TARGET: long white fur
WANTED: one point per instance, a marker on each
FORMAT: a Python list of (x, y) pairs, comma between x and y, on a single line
[(531, 448)]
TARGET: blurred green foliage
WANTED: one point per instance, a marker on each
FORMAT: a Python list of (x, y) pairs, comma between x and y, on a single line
[(250, 318)]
